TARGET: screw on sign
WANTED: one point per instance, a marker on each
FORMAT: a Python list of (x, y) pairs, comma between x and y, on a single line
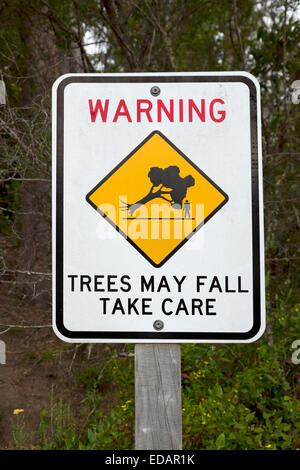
[(158, 325), (158, 223), (155, 91)]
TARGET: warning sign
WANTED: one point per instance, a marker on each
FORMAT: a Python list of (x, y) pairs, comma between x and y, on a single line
[(157, 208), (157, 198)]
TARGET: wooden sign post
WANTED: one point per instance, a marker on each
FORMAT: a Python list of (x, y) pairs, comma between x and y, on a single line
[(158, 418)]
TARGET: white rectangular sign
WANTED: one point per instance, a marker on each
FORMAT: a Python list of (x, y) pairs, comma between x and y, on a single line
[(157, 203)]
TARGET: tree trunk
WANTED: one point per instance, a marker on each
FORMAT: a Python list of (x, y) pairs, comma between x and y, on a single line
[(45, 61)]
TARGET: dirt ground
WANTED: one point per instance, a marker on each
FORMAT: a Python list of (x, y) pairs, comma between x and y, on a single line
[(37, 364)]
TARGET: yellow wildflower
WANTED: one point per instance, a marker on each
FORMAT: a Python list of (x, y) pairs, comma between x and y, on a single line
[(17, 411)]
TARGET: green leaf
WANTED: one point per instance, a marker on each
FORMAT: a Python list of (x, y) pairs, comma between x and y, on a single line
[(219, 390), (220, 442), (91, 436)]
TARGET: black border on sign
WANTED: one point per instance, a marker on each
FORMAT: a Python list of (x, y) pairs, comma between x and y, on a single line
[(115, 335), (157, 265)]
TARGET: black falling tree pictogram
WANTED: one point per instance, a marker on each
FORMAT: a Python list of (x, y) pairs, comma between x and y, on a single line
[(170, 184)]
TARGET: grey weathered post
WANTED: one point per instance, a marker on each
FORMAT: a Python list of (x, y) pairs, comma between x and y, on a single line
[(158, 417), (2, 92)]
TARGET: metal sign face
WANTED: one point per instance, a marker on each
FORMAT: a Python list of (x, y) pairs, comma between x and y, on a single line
[(157, 202)]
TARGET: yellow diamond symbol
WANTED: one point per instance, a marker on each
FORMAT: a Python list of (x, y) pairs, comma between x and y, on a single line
[(157, 198)]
